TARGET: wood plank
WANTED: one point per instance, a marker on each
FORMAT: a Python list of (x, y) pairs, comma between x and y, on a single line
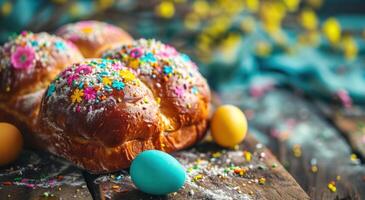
[(351, 121), (211, 175), (312, 150), (38, 175)]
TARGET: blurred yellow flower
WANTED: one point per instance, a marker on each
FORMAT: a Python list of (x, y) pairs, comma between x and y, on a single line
[(291, 5), (104, 4), (308, 19), (349, 47), (59, 1), (192, 21), (309, 37), (252, 5), (332, 30), (6, 8), (165, 9), (263, 48), (75, 9), (201, 7), (315, 3), (271, 14), (248, 24)]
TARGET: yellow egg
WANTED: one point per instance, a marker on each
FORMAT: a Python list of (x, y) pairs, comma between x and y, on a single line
[(11, 143), (228, 126)]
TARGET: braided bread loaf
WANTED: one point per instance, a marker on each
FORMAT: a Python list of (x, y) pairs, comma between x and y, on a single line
[(101, 113), (28, 63), (93, 37)]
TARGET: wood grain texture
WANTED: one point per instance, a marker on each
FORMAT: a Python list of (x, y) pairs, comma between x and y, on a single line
[(351, 122), (311, 149), (218, 179), (41, 176)]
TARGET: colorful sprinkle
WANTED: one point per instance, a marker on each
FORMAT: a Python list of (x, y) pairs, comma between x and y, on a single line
[(23, 58)]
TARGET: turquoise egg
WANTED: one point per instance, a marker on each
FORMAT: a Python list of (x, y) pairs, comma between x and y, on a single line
[(156, 172)]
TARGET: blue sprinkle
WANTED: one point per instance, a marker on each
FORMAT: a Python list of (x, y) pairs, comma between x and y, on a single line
[(118, 178), (104, 73), (194, 90), (51, 90), (81, 85), (119, 85), (59, 45), (102, 65), (108, 88), (148, 57), (167, 70), (185, 57), (34, 43)]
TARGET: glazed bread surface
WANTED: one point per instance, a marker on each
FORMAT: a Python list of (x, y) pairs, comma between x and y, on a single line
[(100, 113), (93, 37), (28, 63)]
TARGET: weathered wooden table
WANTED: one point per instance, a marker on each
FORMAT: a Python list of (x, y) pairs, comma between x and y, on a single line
[(320, 145), (248, 172)]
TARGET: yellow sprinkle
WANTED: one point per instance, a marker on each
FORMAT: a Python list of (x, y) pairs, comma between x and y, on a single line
[(76, 96), (106, 81), (127, 75), (216, 154), (198, 177), (314, 168), (332, 187), (297, 150), (134, 64), (353, 157), (247, 155), (165, 9), (262, 181)]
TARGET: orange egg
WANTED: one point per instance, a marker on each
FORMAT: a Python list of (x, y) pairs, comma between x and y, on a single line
[(11, 143), (228, 126)]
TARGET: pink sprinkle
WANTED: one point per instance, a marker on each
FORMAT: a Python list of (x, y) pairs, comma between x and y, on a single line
[(83, 69), (136, 53), (89, 93), (179, 91), (23, 58), (344, 98), (116, 66), (71, 78), (78, 109), (259, 91)]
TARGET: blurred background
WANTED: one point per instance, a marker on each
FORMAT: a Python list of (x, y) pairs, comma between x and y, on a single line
[(314, 46)]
